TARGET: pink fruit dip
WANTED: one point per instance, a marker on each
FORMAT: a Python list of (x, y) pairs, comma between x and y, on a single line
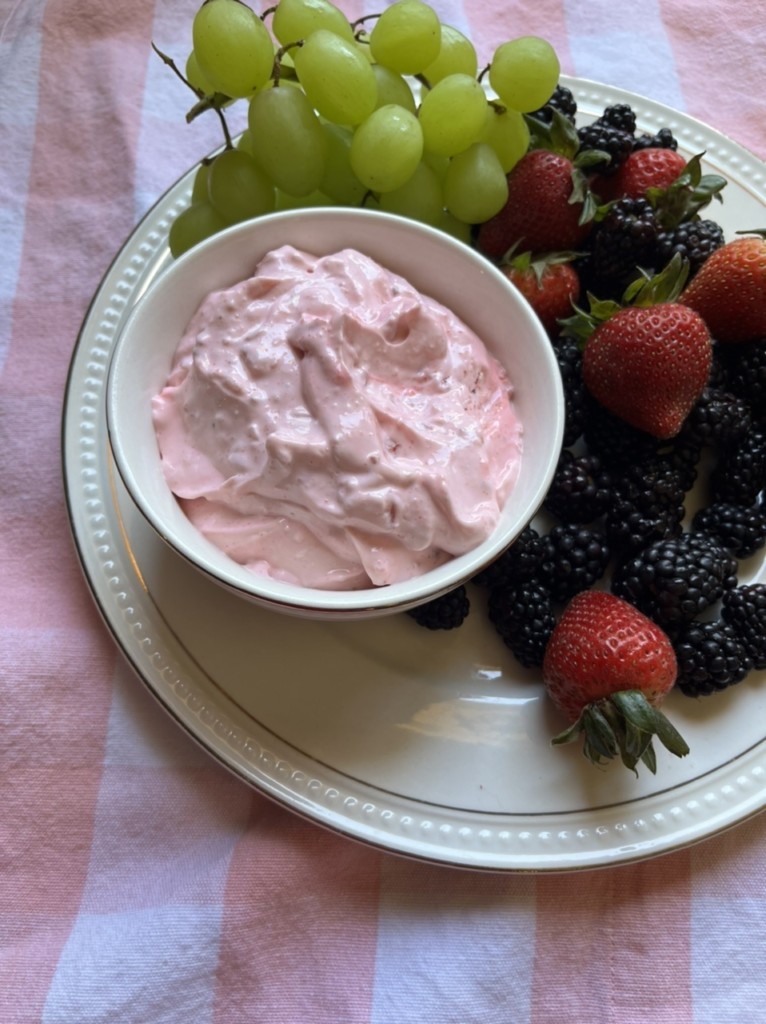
[(327, 425)]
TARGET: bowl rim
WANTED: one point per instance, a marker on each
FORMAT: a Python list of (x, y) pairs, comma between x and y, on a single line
[(289, 597)]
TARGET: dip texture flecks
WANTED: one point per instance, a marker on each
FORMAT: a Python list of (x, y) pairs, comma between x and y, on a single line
[(327, 425)]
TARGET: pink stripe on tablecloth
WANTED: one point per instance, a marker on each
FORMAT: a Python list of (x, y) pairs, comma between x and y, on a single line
[(321, 937), (594, 928), (701, 52)]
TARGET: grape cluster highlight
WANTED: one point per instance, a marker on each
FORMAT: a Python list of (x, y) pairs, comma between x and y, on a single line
[(390, 113)]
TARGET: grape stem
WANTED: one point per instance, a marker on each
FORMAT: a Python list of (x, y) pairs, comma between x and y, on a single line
[(483, 72), (276, 72), (360, 21), (269, 10), (169, 62), (214, 102)]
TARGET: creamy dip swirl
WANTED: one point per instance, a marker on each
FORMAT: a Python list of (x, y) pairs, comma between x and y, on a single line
[(327, 425)]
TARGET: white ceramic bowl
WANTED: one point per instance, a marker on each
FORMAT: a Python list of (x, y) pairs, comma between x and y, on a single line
[(434, 263)]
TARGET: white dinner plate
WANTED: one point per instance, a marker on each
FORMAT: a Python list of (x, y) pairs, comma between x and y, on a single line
[(430, 745)]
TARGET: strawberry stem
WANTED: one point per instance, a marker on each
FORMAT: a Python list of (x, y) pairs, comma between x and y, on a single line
[(624, 724)]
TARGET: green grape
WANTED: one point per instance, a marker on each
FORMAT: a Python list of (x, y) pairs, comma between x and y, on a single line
[(237, 187), (387, 148), (406, 37), (453, 114), (195, 77), (245, 141), (339, 181), (232, 47), (457, 228), (288, 202), (338, 82), (420, 198), (475, 187), (456, 56), (524, 73), (507, 133), (193, 225), (288, 141), (297, 19), (438, 164), (392, 88), (199, 185)]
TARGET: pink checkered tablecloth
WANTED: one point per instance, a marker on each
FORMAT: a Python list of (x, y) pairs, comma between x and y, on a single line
[(140, 882)]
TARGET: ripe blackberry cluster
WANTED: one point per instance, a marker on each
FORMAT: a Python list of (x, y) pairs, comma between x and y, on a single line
[(673, 581), (710, 658), (647, 505), (740, 529), (661, 139), (446, 612), (580, 490), (740, 473), (562, 100), (695, 240), (624, 241), (569, 357), (743, 367), (615, 143), (719, 418), (523, 615), (520, 562), (744, 610)]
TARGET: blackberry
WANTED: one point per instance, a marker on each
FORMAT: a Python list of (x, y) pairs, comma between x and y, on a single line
[(739, 529), (580, 490), (647, 505), (524, 619), (569, 357), (621, 243), (740, 473), (695, 240), (710, 658), (446, 612), (620, 115), (519, 562), (562, 100), (720, 368), (618, 144), (617, 443), (574, 558), (683, 454), (744, 609), (674, 580), (746, 374), (718, 418), (662, 139)]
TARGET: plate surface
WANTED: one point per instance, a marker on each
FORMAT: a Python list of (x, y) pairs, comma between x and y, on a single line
[(434, 746)]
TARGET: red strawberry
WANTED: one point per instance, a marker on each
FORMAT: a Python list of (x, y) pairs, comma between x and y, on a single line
[(544, 209), (649, 365), (607, 667), (642, 170), (729, 291), (550, 284)]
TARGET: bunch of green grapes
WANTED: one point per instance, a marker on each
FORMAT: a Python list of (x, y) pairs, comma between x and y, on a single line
[(395, 118)]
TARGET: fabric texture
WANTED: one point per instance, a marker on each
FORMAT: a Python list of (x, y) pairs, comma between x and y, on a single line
[(140, 883)]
